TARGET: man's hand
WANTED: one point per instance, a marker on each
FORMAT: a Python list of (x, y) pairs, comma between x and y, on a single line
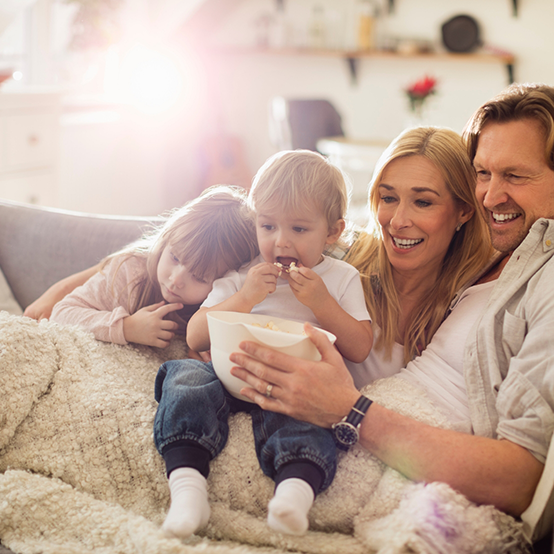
[(317, 392), (148, 326)]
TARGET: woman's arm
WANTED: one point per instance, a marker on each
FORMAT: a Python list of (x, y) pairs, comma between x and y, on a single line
[(486, 471), (41, 308)]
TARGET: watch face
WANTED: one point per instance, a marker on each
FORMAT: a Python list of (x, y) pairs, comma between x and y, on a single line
[(346, 433)]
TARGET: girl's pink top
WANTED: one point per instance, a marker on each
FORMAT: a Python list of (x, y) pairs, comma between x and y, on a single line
[(101, 304)]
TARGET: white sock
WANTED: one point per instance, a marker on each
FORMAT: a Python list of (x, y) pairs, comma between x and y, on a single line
[(189, 510), (288, 509)]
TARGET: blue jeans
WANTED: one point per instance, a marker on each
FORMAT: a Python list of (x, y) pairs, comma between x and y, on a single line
[(194, 408)]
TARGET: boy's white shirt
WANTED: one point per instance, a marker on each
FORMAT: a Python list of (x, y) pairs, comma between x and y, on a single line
[(341, 279)]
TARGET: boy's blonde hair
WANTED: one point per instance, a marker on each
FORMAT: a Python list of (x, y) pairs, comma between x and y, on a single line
[(210, 235), (293, 179)]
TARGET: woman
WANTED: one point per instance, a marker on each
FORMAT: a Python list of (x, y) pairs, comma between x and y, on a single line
[(427, 246)]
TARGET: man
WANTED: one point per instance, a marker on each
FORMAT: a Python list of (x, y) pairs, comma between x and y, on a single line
[(509, 363)]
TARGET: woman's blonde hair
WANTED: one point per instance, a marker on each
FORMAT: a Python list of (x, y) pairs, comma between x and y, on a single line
[(292, 179), (468, 252), (210, 234)]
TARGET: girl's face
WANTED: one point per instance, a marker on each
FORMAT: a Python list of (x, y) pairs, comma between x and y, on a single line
[(178, 285), (418, 214)]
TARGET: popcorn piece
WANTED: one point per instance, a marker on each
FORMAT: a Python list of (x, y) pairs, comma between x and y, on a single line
[(288, 269)]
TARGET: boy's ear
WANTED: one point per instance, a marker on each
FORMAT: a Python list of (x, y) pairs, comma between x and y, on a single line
[(335, 231)]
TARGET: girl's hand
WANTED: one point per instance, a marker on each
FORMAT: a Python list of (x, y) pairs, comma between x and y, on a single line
[(148, 326), (261, 280), (308, 287)]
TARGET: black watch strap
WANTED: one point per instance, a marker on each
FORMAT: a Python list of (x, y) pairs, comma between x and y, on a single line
[(359, 410)]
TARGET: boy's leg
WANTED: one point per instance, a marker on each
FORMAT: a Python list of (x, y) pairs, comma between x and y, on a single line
[(190, 429), (301, 458)]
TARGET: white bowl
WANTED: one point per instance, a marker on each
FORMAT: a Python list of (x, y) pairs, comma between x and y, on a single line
[(229, 329)]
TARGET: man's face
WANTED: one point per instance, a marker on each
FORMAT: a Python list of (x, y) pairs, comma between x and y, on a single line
[(515, 185)]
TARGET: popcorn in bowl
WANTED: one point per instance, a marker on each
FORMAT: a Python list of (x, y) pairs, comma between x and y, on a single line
[(229, 329)]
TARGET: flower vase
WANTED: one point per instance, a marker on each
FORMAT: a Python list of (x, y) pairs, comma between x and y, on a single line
[(416, 117)]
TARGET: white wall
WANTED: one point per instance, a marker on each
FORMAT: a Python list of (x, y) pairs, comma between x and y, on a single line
[(127, 167), (376, 107)]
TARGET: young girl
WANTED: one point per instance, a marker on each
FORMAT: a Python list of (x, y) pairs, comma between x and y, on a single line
[(148, 291)]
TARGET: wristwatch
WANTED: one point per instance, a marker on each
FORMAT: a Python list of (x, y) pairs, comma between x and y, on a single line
[(346, 430)]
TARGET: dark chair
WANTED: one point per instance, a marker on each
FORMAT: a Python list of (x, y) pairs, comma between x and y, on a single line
[(297, 124)]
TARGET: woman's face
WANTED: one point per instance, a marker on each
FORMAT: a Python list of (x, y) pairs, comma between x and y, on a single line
[(417, 214)]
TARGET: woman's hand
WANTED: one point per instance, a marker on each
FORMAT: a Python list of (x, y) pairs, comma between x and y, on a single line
[(321, 392), (148, 326)]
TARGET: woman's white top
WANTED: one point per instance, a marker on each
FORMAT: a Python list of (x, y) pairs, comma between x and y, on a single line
[(376, 366), (439, 369)]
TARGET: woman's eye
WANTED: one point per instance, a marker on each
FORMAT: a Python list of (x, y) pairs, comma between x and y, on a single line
[(388, 199), (267, 227), (174, 258), (299, 229), (200, 280), (422, 203)]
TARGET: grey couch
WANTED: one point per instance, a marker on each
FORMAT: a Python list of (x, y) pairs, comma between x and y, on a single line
[(39, 246)]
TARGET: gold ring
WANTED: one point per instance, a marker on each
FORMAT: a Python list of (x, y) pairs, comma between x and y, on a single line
[(268, 390)]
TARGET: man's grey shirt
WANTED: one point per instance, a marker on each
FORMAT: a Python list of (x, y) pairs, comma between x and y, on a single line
[(509, 358)]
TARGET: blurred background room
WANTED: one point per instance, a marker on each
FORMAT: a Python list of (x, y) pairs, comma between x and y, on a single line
[(133, 107)]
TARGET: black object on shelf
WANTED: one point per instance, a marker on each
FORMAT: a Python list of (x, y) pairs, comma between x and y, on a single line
[(461, 34)]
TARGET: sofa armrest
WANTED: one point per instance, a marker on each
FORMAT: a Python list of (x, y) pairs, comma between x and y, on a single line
[(39, 246)]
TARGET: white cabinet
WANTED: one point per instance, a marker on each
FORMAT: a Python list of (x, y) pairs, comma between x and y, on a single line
[(29, 147)]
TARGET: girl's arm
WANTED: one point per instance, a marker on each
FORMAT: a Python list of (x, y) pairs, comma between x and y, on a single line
[(41, 308)]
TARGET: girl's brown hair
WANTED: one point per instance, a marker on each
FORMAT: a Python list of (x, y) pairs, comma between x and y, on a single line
[(210, 234), (468, 252)]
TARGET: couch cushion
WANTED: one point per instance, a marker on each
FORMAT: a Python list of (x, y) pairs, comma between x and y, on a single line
[(39, 246)]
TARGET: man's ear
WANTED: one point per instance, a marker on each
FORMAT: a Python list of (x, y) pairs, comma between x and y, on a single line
[(335, 231)]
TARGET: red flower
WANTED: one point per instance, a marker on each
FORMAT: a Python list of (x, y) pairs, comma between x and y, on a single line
[(417, 92), (422, 88)]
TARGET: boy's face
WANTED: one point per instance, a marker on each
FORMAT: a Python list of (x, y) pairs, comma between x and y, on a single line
[(299, 237)]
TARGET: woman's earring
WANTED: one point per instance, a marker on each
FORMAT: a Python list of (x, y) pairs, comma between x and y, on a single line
[(459, 227)]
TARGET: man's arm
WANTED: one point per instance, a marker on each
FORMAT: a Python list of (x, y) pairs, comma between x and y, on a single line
[(41, 308), (487, 471)]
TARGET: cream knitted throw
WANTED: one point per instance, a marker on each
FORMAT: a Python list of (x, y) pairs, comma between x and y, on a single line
[(79, 471)]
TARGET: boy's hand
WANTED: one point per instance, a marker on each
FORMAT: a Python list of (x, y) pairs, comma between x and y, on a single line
[(308, 287), (261, 280), (148, 326)]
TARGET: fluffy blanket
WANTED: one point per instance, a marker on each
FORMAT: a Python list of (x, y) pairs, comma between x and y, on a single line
[(79, 471)]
